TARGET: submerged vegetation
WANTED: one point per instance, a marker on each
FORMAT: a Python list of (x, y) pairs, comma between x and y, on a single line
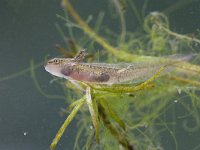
[(129, 116)]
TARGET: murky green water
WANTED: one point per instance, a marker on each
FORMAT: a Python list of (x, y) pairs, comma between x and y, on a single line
[(28, 120)]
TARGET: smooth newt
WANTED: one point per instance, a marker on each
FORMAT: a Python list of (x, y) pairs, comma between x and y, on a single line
[(103, 73)]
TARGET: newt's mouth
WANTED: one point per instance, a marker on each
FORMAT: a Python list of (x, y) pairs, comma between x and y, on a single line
[(46, 67)]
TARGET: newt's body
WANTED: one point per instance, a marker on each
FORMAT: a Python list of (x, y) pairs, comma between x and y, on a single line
[(102, 73)]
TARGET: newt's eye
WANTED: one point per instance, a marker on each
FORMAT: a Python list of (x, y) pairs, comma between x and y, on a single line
[(56, 61)]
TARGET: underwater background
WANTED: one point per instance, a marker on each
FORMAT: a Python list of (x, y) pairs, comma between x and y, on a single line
[(29, 120)]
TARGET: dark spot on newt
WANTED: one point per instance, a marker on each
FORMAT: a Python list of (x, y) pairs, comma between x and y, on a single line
[(103, 77)]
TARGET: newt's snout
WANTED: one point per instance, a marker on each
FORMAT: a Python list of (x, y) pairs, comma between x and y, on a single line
[(53, 67)]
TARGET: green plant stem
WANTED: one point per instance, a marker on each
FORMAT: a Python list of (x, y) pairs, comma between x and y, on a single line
[(93, 112), (66, 123), (17, 74), (178, 5), (180, 36), (117, 53), (119, 136)]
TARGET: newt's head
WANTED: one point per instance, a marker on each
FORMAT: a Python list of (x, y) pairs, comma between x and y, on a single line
[(55, 65), (62, 67)]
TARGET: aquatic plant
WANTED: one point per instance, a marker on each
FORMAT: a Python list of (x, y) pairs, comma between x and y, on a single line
[(119, 118), (128, 116)]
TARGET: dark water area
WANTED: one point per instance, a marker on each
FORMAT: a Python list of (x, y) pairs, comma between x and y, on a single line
[(28, 120)]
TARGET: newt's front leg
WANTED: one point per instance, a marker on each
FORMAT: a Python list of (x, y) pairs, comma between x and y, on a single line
[(80, 55)]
